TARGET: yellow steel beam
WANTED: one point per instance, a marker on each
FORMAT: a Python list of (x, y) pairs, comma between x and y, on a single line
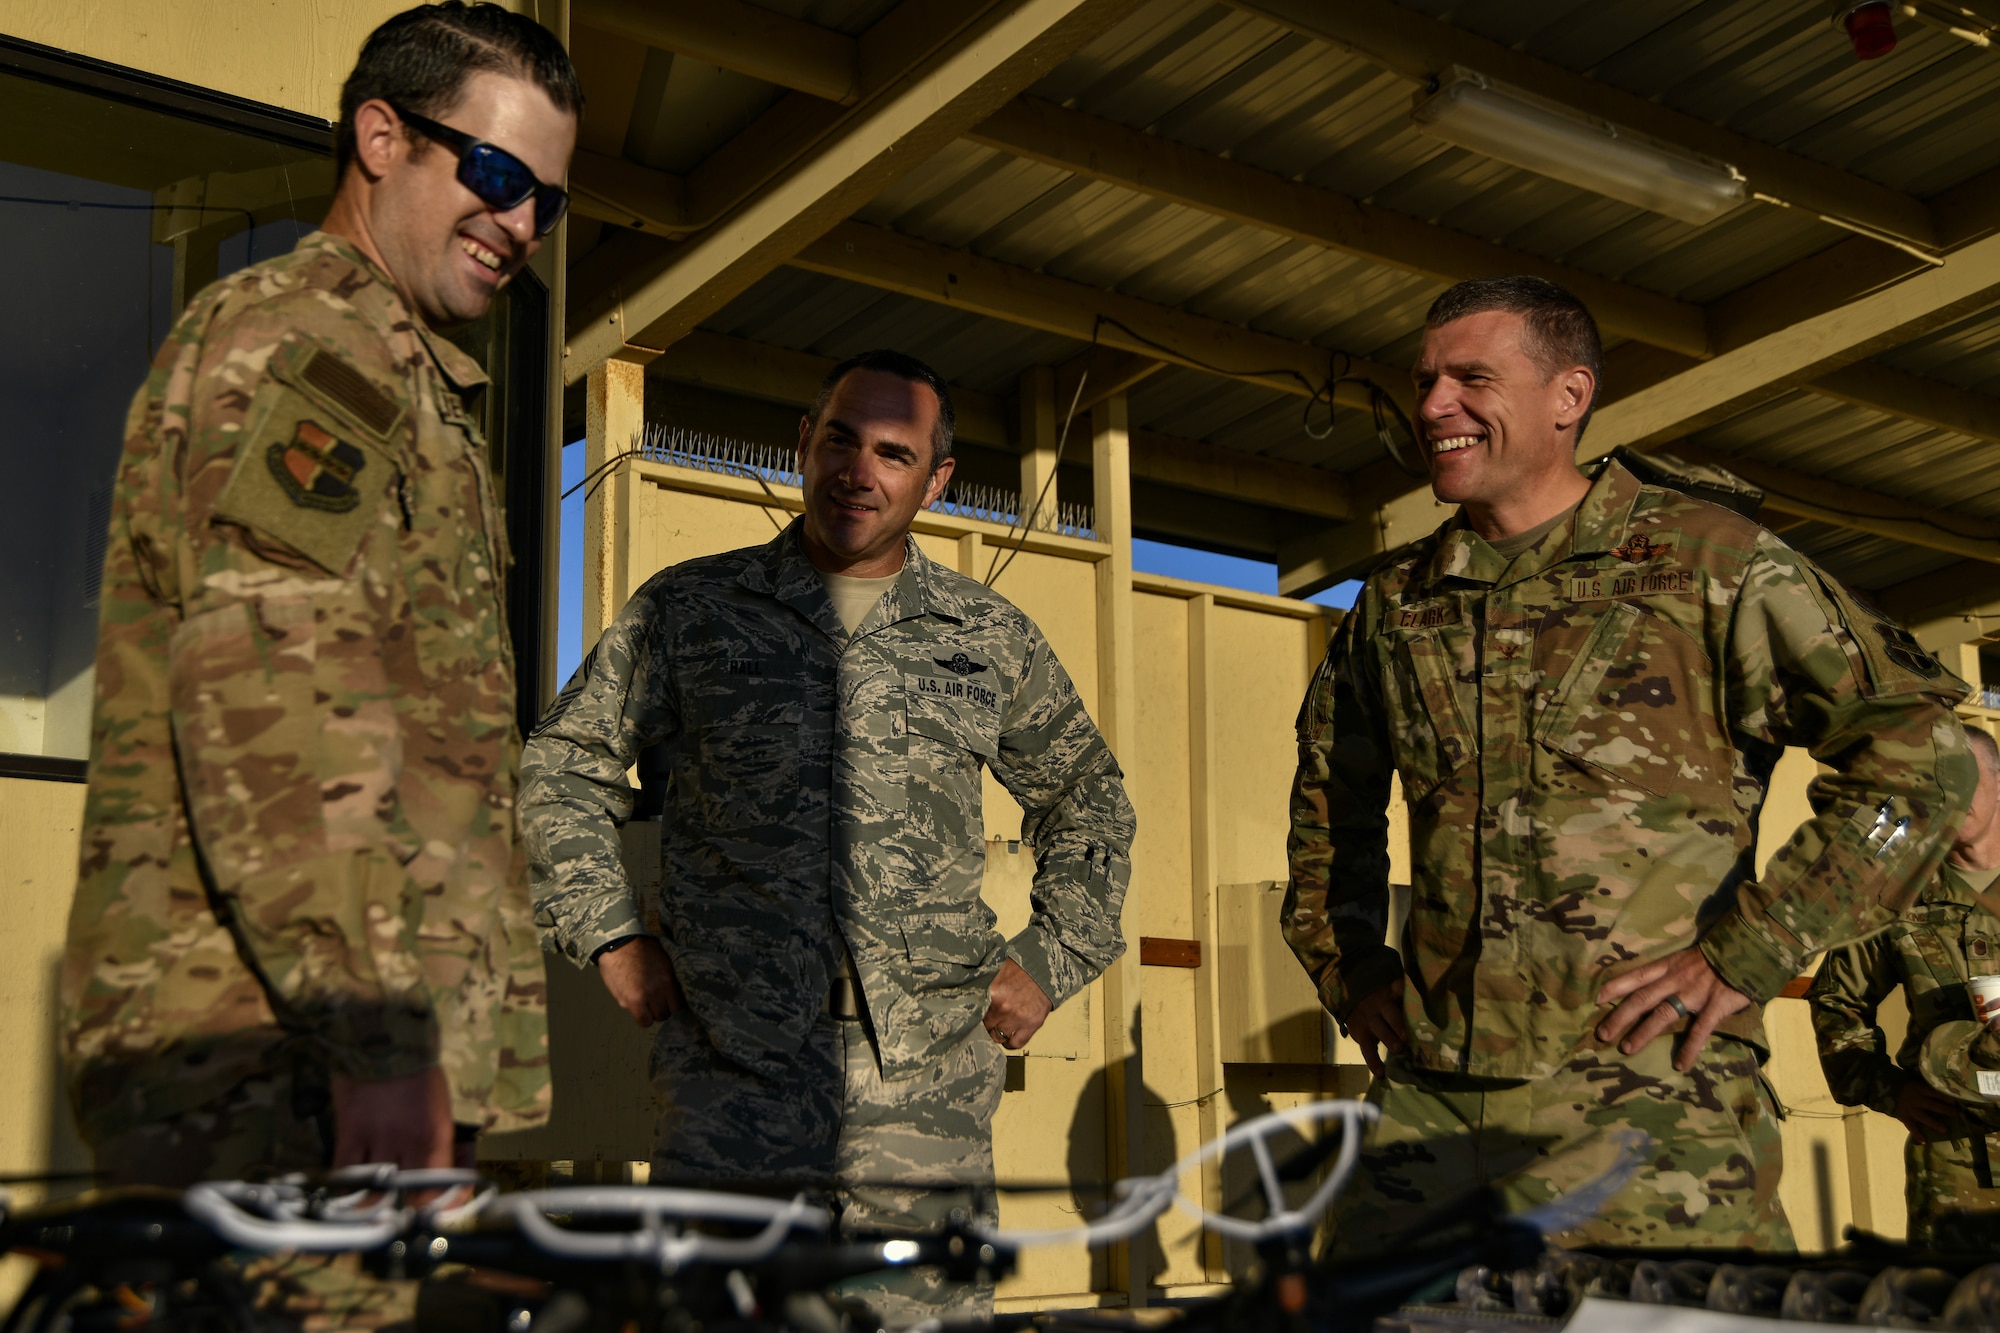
[(1859, 510), (1088, 378), (1191, 465), (777, 374), (620, 191), (1720, 388), (747, 38), (900, 122), (965, 281), (1926, 401), (1107, 151), (1418, 47)]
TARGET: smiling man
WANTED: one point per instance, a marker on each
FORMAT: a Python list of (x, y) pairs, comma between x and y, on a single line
[(298, 937), (815, 715), (1584, 682)]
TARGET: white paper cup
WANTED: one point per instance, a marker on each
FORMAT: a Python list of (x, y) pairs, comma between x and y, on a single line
[(1987, 989)]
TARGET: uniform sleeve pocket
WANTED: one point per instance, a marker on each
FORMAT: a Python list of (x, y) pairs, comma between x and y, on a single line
[(946, 948), (240, 678)]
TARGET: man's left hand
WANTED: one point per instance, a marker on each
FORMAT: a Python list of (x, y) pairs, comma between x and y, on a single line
[(1018, 1007), (1645, 991)]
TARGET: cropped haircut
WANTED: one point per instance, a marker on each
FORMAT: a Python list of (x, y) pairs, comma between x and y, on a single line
[(1985, 747), (905, 367), (1557, 331), (422, 58)]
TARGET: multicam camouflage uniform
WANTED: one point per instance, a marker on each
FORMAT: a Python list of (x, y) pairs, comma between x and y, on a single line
[(824, 790), (298, 850), (1584, 738), (1951, 934)]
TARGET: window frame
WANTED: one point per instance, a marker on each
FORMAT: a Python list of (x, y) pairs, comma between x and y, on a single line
[(526, 452)]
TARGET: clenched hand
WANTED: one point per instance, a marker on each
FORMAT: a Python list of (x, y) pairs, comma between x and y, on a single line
[(1017, 1007), (406, 1120), (1377, 1023), (641, 978)]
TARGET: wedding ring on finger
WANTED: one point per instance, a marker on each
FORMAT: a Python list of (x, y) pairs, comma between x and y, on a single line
[(1673, 1002)]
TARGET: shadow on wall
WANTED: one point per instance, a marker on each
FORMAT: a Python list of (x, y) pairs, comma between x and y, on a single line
[(62, 1149), (1090, 1179)]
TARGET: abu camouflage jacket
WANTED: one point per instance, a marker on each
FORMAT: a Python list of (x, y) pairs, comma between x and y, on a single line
[(1585, 737), (814, 778), (1947, 937), (298, 839)]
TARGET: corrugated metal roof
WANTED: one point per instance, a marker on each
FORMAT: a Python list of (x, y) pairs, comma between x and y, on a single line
[(1231, 83)]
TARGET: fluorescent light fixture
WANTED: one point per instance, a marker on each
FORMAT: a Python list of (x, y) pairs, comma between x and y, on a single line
[(1513, 125)]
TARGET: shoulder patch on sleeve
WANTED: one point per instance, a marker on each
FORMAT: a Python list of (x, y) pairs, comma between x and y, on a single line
[(1893, 661), (307, 479), (333, 382)]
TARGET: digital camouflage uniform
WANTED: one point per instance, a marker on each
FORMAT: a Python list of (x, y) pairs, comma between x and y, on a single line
[(298, 850), (825, 788), (1585, 737), (1948, 936)]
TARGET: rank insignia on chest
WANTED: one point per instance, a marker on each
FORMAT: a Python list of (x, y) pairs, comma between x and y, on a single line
[(317, 470)]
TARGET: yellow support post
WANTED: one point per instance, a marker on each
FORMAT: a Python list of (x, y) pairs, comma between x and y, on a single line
[(614, 420), (1117, 698)]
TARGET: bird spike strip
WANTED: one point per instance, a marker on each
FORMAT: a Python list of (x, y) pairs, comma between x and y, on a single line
[(779, 466)]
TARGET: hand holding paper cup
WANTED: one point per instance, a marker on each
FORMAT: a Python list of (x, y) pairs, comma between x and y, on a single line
[(1986, 993)]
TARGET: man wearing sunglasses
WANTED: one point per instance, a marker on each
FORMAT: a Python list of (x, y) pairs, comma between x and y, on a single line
[(299, 936)]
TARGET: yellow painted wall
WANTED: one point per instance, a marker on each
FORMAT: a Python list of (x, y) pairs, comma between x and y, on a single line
[(288, 53), (1843, 1166)]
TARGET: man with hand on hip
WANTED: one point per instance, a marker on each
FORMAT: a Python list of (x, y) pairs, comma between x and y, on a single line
[(1584, 682), (832, 997)]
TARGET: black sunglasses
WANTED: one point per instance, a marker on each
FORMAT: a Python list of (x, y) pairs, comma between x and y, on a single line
[(501, 180)]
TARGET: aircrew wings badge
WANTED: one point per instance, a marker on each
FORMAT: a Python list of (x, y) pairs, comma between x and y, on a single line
[(1639, 548), (959, 664)]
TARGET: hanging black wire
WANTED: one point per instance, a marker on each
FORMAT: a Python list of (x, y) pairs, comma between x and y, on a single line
[(1392, 427)]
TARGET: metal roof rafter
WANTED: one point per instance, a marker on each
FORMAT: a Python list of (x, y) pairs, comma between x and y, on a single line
[(945, 86), (1418, 47)]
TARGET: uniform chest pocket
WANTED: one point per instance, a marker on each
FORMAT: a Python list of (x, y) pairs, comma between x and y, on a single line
[(1427, 728), (742, 762), (953, 725), (1930, 941), (1630, 707)]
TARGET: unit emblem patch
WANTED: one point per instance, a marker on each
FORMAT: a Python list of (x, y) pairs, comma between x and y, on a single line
[(1902, 648), (960, 665), (316, 469)]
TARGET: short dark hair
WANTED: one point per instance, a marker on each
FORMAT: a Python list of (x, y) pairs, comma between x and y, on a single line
[(1985, 746), (905, 367), (1557, 329), (422, 58)]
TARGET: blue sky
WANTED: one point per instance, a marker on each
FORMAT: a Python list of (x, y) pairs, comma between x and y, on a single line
[(1148, 557)]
